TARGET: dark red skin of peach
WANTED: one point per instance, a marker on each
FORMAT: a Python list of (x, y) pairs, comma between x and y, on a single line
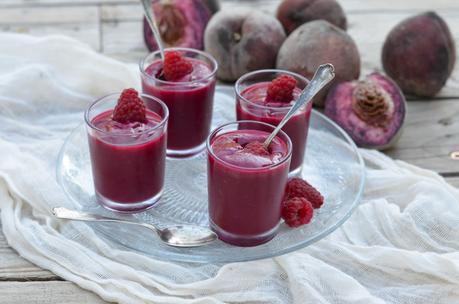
[(338, 107), (242, 41), (294, 13), (315, 43), (419, 54), (187, 28)]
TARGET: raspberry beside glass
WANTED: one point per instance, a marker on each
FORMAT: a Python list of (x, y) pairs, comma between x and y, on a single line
[(252, 104), (189, 98), (246, 182), (128, 158)]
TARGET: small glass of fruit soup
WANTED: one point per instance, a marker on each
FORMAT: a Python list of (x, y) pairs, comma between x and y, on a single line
[(127, 144), (267, 96), (246, 181), (185, 81)]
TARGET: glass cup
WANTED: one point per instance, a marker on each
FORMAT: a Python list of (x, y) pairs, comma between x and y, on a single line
[(190, 103), (128, 166), (245, 202), (251, 90)]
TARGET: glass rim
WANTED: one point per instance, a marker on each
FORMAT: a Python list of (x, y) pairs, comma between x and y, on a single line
[(97, 101), (176, 83), (219, 128), (247, 75)]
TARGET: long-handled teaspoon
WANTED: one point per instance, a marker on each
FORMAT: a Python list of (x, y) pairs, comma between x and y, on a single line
[(324, 74), (176, 236)]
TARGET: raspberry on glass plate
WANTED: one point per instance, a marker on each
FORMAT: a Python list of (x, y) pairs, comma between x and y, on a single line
[(332, 165)]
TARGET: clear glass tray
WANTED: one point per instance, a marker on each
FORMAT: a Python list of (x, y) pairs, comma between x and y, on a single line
[(332, 164)]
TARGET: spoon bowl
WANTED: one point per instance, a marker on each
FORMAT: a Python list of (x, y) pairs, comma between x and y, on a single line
[(175, 236), (187, 236)]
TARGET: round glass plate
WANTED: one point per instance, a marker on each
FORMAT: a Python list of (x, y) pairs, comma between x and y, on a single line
[(332, 164)]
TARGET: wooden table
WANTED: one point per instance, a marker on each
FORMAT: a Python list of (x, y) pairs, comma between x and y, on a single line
[(114, 27)]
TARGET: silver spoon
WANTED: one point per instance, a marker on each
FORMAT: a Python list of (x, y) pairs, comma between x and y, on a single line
[(176, 236), (323, 75), (147, 10)]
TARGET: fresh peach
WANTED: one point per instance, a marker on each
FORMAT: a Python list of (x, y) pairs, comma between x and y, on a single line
[(371, 111), (243, 41), (181, 22), (419, 54), (293, 13), (318, 42)]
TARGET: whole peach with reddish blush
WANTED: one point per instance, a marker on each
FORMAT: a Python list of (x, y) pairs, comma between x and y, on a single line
[(419, 54), (315, 43), (294, 13), (242, 41)]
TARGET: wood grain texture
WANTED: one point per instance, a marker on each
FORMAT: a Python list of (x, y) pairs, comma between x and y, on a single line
[(124, 40), (453, 181), (46, 293), (430, 134), (81, 23), (15, 268)]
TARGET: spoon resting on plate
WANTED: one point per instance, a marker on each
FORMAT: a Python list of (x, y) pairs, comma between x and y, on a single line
[(323, 75), (175, 236)]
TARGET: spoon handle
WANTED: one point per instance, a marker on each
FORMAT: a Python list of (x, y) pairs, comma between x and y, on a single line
[(147, 9), (63, 213), (323, 75)]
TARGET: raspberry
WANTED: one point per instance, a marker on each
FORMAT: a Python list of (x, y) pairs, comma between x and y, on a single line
[(297, 211), (281, 89), (130, 108), (256, 148), (176, 66), (297, 187)]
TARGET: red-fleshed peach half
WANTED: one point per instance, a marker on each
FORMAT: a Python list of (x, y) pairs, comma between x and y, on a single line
[(371, 111), (243, 41), (181, 23)]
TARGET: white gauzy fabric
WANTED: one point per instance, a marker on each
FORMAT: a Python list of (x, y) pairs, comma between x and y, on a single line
[(400, 246)]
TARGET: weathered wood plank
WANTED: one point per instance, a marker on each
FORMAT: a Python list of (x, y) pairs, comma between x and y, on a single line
[(86, 33), (430, 134), (15, 268), (81, 23), (453, 181), (46, 293), (46, 15), (61, 3), (348, 5), (121, 12), (124, 40), (432, 158), (431, 124)]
